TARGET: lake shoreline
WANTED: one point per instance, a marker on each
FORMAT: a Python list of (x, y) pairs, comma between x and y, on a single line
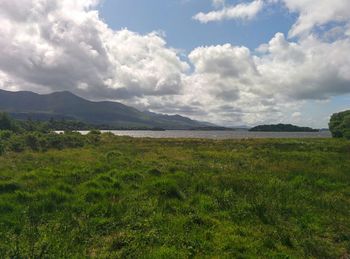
[(224, 134)]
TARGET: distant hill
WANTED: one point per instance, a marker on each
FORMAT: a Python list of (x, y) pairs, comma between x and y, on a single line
[(65, 105), (282, 128)]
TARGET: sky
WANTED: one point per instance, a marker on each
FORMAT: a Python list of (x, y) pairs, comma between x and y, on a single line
[(233, 62)]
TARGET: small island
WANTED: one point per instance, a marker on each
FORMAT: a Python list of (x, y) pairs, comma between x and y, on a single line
[(282, 128)]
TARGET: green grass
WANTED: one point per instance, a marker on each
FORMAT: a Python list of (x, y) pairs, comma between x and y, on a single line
[(144, 198)]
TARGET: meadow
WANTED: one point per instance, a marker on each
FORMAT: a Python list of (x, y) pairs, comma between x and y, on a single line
[(179, 198)]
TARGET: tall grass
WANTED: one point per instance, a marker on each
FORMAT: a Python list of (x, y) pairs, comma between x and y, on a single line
[(130, 198)]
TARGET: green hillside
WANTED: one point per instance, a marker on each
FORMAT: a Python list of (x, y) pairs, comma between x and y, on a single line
[(65, 105)]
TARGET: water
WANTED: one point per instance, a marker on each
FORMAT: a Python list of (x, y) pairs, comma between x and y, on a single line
[(239, 134)]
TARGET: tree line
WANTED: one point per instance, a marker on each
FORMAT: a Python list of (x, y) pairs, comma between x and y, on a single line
[(18, 136)]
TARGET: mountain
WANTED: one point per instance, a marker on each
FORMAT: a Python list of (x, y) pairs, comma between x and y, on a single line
[(65, 105)]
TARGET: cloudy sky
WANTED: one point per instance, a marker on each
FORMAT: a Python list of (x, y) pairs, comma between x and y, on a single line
[(233, 62)]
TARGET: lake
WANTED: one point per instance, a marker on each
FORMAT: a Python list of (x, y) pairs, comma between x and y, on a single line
[(239, 134)]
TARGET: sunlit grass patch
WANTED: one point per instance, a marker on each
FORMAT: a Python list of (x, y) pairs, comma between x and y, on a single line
[(154, 198)]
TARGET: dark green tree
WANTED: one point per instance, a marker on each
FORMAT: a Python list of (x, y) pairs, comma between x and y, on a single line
[(6, 123), (339, 125)]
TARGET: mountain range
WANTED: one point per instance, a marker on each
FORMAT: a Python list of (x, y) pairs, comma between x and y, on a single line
[(66, 105)]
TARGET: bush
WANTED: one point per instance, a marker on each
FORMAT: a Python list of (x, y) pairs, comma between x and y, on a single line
[(72, 140), (94, 137), (339, 125), (94, 132), (16, 143), (32, 141), (68, 139), (5, 134), (54, 141)]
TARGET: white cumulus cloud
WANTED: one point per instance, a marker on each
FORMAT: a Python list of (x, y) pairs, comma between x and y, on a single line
[(243, 11), (236, 84), (64, 45), (52, 45), (317, 13)]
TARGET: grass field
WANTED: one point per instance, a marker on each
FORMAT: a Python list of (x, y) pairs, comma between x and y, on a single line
[(148, 198)]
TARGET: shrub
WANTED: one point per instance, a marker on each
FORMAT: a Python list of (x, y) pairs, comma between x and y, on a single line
[(94, 137), (16, 143), (5, 134), (54, 141), (68, 139), (32, 141), (72, 139), (43, 143), (94, 132)]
